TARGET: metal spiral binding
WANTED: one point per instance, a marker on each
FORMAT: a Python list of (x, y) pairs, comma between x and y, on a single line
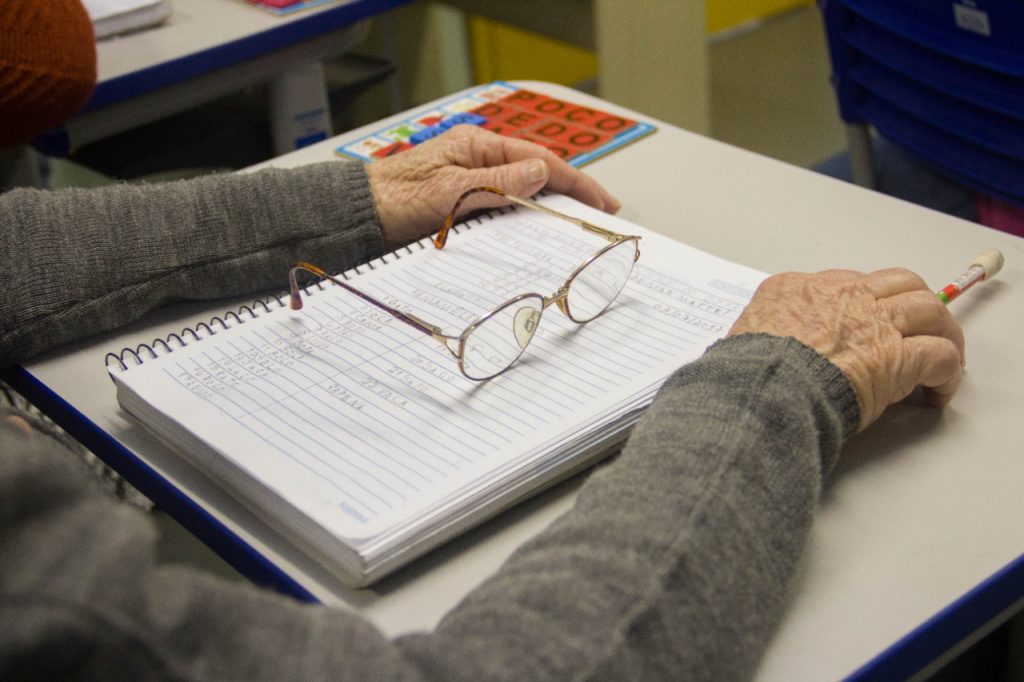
[(135, 356), (130, 357)]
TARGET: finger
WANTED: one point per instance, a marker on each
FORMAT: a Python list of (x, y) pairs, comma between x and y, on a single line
[(522, 178), (19, 424), (569, 181), (935, 364), (893, 281), (495, 150), (921, 313)]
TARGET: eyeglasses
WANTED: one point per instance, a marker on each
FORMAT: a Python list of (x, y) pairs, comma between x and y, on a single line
[(494, 342)]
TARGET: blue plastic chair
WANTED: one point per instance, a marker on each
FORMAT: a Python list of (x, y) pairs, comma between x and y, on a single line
[(942, 80)]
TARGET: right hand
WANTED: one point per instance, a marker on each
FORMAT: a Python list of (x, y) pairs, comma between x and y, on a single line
[(886, 330)]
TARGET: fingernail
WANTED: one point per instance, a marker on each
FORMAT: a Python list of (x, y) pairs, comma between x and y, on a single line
[(614, 205), (537, 171)]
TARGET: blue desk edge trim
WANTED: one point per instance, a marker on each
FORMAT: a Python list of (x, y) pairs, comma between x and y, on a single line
[(238, 553), (168, 73), (947, 628)]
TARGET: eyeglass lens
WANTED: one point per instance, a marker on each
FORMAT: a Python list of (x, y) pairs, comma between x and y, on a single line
[(498, 340), (598, 284)]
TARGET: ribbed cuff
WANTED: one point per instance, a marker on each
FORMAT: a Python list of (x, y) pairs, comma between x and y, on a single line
[(839, 392)]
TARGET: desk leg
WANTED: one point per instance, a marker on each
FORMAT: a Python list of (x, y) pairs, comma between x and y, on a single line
[(300, 112), (862, 159), (653, 57)]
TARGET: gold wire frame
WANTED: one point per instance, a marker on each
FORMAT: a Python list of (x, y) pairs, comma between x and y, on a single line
[(439, 240)]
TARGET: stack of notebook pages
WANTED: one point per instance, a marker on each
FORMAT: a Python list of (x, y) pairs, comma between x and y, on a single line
[(357, 438)]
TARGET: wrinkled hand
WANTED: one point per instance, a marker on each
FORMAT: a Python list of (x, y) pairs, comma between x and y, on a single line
[(887, 331), (414, 190)]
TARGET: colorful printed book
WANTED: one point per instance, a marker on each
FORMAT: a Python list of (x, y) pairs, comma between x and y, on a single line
[(575, 132)]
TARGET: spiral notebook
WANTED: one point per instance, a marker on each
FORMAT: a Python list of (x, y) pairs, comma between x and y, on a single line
[(357, 439)]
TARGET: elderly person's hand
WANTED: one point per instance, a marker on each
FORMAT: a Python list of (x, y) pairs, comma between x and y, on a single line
[(415, 189), (886, 330)]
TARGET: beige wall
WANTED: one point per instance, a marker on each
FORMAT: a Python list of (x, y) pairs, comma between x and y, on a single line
[(765, 89)]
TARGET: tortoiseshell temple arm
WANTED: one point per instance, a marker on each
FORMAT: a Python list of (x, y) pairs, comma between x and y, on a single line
[(442, 236), (295, 300)]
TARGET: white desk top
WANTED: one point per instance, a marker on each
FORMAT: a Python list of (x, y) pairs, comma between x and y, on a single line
[(206, 49), (198, 30), (925, 506)]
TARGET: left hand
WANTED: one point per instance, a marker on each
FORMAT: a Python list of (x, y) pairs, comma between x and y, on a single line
[(415, 189)]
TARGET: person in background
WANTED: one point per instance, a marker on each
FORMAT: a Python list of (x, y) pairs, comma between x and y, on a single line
[(47, 66), (47, 73), (903, 175)]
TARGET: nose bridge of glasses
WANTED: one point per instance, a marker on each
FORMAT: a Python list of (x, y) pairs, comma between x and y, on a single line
[(559, 298)]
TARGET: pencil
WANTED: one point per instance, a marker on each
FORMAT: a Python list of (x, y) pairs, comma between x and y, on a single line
[(984, 266)]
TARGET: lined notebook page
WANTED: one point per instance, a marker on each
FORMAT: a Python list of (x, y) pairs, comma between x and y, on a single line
[(363, 423)]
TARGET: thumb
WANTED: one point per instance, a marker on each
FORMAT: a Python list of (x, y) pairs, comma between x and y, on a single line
[(936, 364), (522, 178)]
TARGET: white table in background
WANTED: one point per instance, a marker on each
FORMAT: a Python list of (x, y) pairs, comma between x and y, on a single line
[(210, 48)]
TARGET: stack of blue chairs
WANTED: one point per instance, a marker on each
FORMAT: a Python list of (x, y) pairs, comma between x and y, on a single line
[(944, 80)]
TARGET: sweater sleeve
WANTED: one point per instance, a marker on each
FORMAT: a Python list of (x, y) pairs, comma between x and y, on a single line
[(675, 561), (78, 262), (673, 564)]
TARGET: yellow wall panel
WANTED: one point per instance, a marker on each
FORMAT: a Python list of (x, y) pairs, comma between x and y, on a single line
[(503, 52), (725, 14)]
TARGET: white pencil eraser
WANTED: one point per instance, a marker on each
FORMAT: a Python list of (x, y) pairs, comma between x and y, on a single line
[(991, 261)]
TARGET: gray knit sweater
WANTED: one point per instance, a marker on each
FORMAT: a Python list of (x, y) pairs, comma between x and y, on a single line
[(674, 562)]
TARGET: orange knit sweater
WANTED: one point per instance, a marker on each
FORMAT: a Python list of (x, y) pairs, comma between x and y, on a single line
[(47, 66)]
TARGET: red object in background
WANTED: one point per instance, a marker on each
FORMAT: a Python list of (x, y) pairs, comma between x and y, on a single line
[(576, 133), (502, 118), (1000, 215), (565, 128), (430, 120), (391, 150)]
